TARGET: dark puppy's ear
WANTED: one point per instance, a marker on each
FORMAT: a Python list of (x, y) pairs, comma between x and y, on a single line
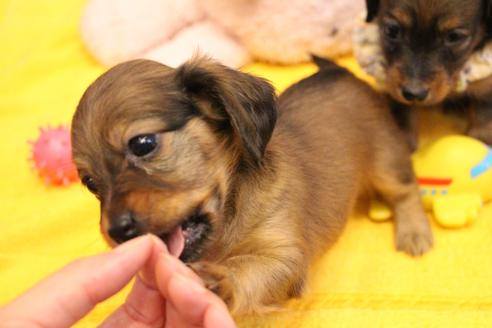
[(222, 94), (372, 9)]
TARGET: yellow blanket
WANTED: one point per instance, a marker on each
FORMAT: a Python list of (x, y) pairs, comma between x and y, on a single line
[(361, 282)]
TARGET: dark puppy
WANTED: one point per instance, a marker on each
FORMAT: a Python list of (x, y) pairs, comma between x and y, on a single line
[(426, 44), (191, 155)]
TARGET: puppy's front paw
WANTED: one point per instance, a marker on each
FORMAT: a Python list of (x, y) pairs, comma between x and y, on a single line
[(216, 278), (414, 240)]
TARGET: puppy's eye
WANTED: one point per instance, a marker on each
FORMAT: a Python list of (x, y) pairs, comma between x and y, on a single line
[(90, 184), (392, 31), (455, 38), (142, 145)]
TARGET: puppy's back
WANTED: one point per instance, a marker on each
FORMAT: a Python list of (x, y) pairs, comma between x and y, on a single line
[(331, 125), (335, 109), (333, 98)]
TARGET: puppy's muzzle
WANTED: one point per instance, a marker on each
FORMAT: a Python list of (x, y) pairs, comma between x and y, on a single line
[(124, 227), (414, 93)]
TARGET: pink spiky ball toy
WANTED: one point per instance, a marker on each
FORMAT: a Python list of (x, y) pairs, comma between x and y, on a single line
[(52, 156)]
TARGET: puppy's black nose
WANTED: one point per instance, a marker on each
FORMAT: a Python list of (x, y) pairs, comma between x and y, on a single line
[(123, 228), (412, 93)]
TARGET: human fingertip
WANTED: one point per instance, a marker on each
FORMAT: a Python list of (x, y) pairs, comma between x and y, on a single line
[(170, 265), (218, 317), (133, 243), (160, 245), (165, 260)]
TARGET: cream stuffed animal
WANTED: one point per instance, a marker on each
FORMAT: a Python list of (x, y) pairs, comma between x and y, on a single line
[(234, 32)]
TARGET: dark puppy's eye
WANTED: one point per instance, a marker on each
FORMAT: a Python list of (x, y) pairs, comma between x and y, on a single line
[(143, 144), (90, 184), (392, 31), (454, 38)]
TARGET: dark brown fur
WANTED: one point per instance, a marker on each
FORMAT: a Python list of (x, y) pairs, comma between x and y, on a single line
[(275, 198), (424, 59)]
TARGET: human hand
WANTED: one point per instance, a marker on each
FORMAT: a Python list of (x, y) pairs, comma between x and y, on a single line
[(166, 294)]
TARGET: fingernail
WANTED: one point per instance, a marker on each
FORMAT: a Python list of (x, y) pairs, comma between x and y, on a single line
[(131, 244)]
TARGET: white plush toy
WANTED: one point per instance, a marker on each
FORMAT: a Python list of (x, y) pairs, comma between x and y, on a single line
[(234, 32)]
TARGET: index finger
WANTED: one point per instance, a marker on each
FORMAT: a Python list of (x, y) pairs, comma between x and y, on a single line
[(65, 297)]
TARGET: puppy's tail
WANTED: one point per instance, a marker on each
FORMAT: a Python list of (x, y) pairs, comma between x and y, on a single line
[(323, 63)]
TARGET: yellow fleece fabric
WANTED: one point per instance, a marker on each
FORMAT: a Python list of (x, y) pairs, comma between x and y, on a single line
[(361, 282)]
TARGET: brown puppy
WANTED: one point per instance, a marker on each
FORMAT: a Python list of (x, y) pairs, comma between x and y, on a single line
[(188, 154), (426, 44)]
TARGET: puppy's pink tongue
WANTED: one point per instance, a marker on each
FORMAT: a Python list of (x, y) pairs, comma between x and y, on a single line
[(175, 242)]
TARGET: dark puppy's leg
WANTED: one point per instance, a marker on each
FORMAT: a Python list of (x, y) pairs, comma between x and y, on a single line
[(405, 118), (395, 181), (481, 115), (481, 120)]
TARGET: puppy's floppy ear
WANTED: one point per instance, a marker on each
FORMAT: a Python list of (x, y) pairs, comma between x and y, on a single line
[(372, 9), (247, 103)]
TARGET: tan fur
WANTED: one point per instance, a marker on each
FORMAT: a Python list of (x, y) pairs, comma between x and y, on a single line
[(449, 23), (274, 204), (402, 16), (441, 84)]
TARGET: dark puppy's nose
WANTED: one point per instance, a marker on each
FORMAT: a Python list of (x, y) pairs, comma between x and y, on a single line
[(412, 93), (123, 228)]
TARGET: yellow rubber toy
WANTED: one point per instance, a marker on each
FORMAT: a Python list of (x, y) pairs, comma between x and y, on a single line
[(455, 178)]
